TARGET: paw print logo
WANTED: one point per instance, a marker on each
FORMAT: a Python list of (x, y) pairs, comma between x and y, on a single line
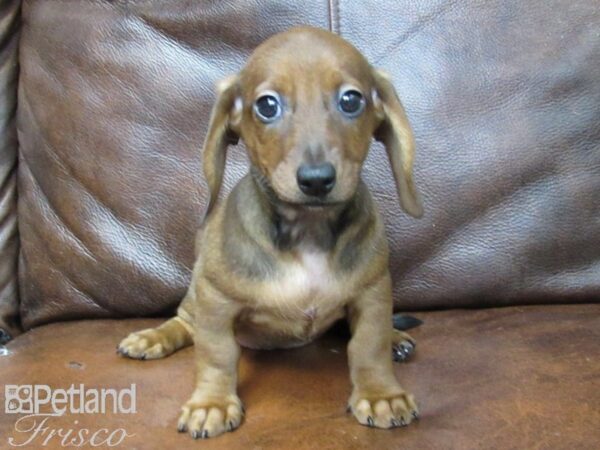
[(18, 399)]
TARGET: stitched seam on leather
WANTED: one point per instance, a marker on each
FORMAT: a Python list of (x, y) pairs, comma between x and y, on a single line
[(421, 24), (334, 14)]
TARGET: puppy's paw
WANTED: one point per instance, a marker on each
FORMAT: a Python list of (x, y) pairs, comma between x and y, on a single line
[(205, 417), (145, 344), (403, 346), (385, 411)]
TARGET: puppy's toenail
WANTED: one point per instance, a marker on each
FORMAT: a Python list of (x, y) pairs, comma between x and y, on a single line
[(415, 415), (370, 421), (205, 434), (398, 355), (395, 423), (402, 422), (195, 434), (230, 426), (182, 428)]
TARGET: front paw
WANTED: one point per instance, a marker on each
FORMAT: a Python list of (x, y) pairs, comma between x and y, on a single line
[(145, 344), (403, 346), (384, 411), (208, 416)]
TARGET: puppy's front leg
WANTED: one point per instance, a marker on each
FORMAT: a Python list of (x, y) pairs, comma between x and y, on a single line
[(214, 406), (377, 398)]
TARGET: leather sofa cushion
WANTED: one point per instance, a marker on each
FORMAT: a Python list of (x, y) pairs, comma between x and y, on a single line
[(508, 378), (503, 96), (115, 100)]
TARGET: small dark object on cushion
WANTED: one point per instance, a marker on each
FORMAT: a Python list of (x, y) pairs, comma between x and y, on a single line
[(4, 336), (403, 322)]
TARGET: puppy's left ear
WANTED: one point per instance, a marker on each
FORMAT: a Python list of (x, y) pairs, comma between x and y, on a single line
[(222, 131), (395, 133)]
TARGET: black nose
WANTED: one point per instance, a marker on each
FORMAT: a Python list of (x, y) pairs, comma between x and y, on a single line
[(317, 180)]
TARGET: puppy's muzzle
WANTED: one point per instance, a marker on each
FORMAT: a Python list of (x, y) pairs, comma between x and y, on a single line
[(316, 180)]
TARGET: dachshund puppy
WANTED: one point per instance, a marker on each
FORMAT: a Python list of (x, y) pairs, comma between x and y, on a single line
[(298, 244)]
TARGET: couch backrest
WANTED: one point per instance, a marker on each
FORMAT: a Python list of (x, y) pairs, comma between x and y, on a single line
[(114, 97)]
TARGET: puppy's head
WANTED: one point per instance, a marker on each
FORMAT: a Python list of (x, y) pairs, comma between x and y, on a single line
[(307, 105)]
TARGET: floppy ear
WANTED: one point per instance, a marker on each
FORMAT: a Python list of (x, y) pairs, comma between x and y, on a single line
[(396, 135), (224, 118)]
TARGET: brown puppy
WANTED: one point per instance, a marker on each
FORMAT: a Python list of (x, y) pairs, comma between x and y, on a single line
[(298, 244)]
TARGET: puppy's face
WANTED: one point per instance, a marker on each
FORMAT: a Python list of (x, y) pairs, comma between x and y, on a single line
[(307, 105), (308, 115)]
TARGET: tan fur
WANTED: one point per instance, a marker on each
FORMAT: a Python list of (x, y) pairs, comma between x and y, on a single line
[(274, 270)]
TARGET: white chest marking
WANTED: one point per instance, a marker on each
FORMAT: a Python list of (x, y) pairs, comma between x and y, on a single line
[(306, 283), (303, 300)]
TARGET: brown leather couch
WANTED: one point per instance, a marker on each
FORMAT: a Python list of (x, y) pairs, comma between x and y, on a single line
[(100, 173)]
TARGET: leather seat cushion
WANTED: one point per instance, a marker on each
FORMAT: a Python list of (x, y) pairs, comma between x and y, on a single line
[(511, 378)]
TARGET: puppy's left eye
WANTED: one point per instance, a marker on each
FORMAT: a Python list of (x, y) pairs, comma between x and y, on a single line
[(268, 107), (351, 103)]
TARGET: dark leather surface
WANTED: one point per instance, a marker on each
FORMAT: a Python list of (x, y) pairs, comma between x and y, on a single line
[(510, 378), (504, 98), (114, 103), (9, 243)]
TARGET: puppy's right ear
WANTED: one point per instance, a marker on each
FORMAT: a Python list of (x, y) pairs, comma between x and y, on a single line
[(224, 121)]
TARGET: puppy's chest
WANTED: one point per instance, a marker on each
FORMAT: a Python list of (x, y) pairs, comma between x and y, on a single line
[(311, 273), (307, 284), (299, 303)]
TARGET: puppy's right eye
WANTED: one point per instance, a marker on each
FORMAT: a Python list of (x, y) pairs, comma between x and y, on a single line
[(351, 103), (268, 107)]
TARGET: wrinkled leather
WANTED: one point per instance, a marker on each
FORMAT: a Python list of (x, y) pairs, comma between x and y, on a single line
[(509, 378), (504, 97), (114, 100), (9, 242)]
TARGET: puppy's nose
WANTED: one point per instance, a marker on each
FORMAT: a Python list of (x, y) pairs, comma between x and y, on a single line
[(316, 180)]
